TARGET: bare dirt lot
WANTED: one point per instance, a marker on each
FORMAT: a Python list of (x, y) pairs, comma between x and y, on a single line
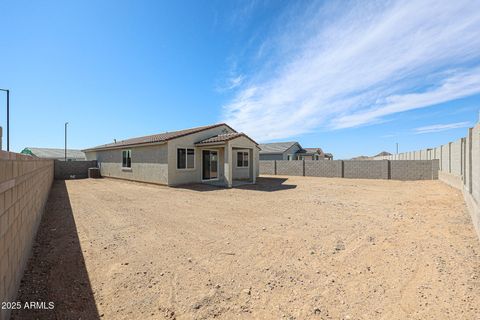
[(296, 248)]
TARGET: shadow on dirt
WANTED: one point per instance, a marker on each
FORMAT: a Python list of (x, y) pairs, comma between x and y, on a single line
[(266, 184), (56, 271)]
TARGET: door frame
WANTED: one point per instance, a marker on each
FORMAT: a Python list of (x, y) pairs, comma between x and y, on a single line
[(218, 165)]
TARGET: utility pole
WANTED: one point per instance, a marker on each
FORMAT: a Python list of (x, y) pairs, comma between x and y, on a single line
[(8, 117), (397, 147), (66, 123)]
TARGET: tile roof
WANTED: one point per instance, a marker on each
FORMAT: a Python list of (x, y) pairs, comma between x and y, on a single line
[(276, 147), (54, 153), (224, 137), (160, 137)]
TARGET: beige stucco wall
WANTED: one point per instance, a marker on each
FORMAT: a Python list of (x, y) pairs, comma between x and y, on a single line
[(149, 163), (253, 170), (158, 163), (182, 176)]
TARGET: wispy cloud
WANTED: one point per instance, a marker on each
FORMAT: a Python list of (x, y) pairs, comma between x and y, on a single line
[(342, 68), (441, 127)]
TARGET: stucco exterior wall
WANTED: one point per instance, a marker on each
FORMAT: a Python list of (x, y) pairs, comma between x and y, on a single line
[(242, 172), (183, 176), (149, 163)]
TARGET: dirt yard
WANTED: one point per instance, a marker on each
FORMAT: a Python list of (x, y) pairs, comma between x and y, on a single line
[(296, 248)]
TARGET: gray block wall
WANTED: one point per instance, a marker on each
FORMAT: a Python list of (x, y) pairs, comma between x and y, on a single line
[(458, 163), (366, 169), (290, 168), (73, 169), (267, 167), (456, 157), (414, 170), (323, 168)]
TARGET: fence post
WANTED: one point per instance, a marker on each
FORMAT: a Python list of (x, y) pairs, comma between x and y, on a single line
[(303, 163), (389, 170), (274, 167), (449, 157), (343, 169), (470, 164)]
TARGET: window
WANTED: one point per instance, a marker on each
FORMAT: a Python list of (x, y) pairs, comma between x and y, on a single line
[(289, 157), (185, 158), (126, 158), (242, 159)]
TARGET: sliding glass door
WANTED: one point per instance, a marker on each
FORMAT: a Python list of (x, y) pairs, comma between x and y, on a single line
[(209, 165)]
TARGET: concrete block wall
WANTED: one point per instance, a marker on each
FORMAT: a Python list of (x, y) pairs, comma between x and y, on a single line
[(267, 167), (456, 157), (325, 168), (291, 168), (458, 165), (414, 170), (354, 169), (73, 169), (24, 187), (366, 169)]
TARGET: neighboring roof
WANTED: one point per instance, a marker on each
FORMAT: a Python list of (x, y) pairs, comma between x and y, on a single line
[(224, 137), (276, 147), (383, 154), (160, 137), (310, 150), (54, 153)]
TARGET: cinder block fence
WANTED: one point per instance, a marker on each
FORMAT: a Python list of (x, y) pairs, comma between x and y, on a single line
[(353, 169), (24, 187), (459, 166)]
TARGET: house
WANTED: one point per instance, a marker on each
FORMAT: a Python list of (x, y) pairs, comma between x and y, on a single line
[(54, 153), (215, 154), (310, 154), (279, 150), (291, 151)]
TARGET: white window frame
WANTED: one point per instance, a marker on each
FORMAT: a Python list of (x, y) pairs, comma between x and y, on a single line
[(289, 157), (186, 159), (130, 153), (247, 151)]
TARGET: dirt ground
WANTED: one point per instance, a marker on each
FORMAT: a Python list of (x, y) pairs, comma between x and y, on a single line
[(287, 248)]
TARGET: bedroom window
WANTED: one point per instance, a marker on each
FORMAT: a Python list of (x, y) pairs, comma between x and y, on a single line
[(185, 158), (242, 159), (126, 158)]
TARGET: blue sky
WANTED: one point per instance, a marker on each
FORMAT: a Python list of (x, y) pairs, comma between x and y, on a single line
[(350, 77)]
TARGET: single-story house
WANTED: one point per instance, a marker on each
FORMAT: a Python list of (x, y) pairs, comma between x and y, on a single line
[(215, 154), (291, 151), (54, 153)]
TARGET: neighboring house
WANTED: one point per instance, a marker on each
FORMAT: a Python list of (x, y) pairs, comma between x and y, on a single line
[(214, 154), (310, 154), (291, 151), (279, 150), (55, 154), (381, 154)]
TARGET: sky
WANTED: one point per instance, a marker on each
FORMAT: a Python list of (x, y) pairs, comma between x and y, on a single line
[(351, 77)]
